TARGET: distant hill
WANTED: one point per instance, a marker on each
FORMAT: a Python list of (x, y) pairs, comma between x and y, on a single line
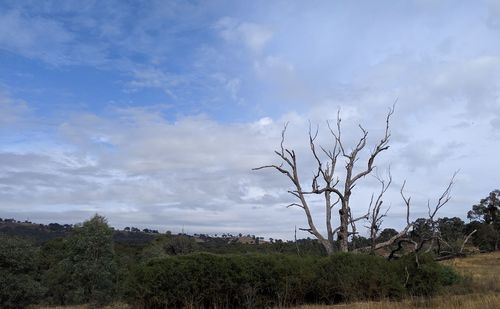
[(40, 233), (132, 238)]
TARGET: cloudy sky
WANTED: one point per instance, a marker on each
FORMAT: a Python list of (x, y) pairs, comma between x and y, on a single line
[(153, 113)]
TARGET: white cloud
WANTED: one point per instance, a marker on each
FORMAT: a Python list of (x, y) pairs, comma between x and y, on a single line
[(154, 78), (196, 173), (34, 37), (253, 35)]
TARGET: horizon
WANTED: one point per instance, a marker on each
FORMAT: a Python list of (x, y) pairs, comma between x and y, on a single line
[(153, 114)]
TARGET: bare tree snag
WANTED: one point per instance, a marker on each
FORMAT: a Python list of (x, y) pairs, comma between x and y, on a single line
[(466, 240), (325, 181), (337, 192), (376, 216), (400, 237), (443, 200)]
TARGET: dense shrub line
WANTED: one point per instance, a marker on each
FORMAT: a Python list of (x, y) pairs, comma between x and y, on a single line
[(205, 280)]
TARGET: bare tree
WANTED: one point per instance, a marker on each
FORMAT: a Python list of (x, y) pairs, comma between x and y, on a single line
[(326, 182), (375, 210), (434, 241)]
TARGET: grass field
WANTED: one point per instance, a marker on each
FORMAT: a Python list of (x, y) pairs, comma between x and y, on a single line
[(114, 306), (480, 289), (483, 271)]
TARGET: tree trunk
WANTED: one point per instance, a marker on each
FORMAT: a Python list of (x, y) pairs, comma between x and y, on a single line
[(328, 246), (343, 234)]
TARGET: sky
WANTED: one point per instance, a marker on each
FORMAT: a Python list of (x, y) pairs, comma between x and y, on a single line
[(153, 113)]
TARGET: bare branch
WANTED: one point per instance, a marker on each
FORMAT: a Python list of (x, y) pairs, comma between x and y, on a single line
[(335, 203), (279, 168), (393, 238), (307, 230), (402, 233), (365, 216), (338, 134), (283, 138), (294, 194), (406, 201), (444, 198), (400, 246), (381, 146), (466, 240)]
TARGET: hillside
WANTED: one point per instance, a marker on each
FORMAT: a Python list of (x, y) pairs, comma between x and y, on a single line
[(40, 233)]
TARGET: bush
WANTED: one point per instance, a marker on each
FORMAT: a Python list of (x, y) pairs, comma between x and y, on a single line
[(423, 276), (86, 271), (349, 277), (258, 281), (209, 280), (19, 282)]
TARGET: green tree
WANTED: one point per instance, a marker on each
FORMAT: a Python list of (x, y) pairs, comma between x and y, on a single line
[(88, 273), (19, 284), (387, 234), (488, 209), (422, 230), (451, 229), (486, 237), (487, 212)]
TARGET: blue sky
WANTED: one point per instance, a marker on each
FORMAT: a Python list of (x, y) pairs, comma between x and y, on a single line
[(154, 112)]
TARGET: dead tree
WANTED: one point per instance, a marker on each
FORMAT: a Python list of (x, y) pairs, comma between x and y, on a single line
[(375, 210), (434, 239), (327, 183), (376, 220)]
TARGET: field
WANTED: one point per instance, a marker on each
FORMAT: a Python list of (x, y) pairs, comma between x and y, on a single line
[(480, 289)]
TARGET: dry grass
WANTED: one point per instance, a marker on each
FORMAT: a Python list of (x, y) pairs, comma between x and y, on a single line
[(471, 301), (483, 271), (113, 306), (480, 289)]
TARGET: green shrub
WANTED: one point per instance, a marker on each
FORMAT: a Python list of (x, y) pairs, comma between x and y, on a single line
[(423, 276), (348, 277), (19, 282), (85, 270), (209, 280), (205, 280)]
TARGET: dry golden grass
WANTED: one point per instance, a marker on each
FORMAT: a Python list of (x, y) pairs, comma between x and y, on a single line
[(481, 289), (113, 306), (471, 301), (483, 271)]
